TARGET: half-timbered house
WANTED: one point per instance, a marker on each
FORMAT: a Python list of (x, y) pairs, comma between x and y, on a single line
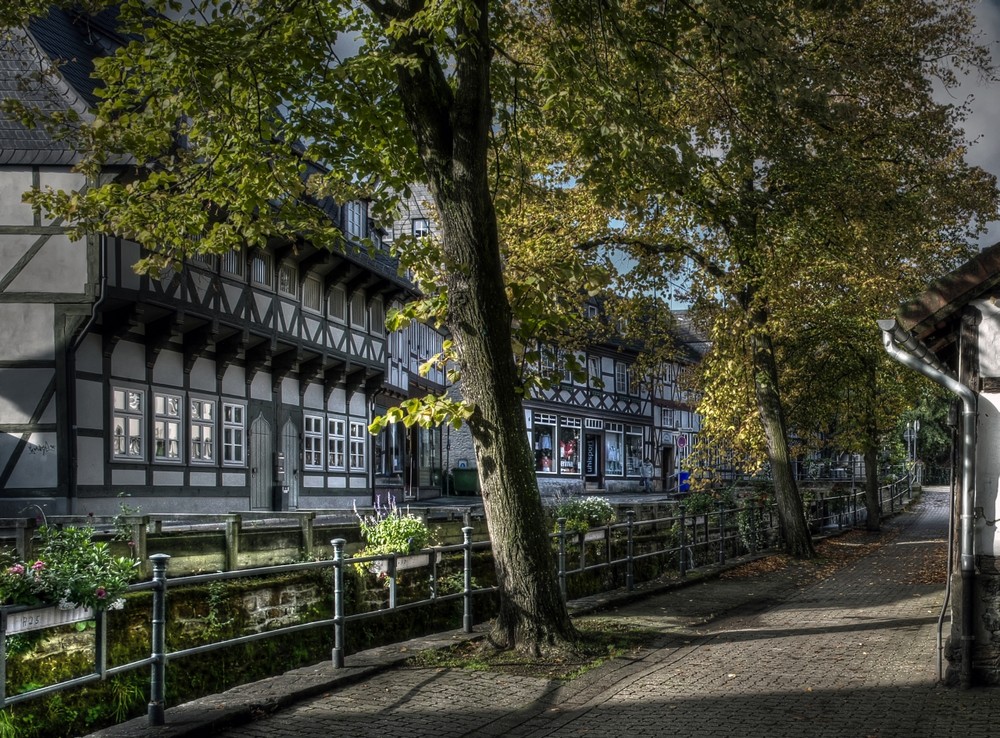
[(245, 381)]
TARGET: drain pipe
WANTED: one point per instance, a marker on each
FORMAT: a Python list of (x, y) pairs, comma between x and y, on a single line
[(907, 350)]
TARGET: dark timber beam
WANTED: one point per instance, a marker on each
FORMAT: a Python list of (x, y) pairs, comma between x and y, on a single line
[(196, 341)]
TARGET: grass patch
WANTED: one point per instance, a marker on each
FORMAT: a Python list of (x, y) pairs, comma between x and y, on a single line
[(601, 640)]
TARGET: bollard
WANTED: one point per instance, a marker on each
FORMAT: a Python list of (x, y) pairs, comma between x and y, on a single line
[(629, 568), (338, 602), (467, 576), (158, 668)]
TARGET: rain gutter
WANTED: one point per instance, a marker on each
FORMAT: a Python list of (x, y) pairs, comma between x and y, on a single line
[(911, 352)]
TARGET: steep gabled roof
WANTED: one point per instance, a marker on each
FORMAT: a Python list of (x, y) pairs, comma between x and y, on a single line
[(948, 294)]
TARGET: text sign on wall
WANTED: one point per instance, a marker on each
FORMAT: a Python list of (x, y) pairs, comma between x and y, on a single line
[(24, 621)]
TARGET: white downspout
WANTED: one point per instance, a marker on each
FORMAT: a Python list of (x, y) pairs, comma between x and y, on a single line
[(910, 352)]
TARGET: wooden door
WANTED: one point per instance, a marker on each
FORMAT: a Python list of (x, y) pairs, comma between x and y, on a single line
[(261, 464)]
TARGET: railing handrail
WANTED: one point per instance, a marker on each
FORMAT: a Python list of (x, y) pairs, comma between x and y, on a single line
[(706, 531)]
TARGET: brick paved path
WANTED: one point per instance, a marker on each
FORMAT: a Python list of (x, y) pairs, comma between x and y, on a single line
[(852, 656)]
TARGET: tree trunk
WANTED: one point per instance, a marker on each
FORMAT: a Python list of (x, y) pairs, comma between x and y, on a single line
[(450, 120), (874, 522), (791, 518)]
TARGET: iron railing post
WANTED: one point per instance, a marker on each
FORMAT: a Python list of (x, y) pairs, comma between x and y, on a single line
[(683, 541), (338, 602), (562, 557), (722, 532), (158, 668), (629, 565), (467, 579)]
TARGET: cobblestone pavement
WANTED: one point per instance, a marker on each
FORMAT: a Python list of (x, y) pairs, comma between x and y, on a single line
[(851, 656)]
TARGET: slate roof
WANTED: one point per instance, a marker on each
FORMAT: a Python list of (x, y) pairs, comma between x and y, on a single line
[(27, 74)]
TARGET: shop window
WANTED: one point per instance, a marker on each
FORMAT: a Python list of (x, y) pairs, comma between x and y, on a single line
[(614, 453), (543, 441), (569, 446)]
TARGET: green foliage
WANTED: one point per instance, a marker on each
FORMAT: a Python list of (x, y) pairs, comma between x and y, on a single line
[(389, 530), (706, 501), (584, 513), (70, 569)]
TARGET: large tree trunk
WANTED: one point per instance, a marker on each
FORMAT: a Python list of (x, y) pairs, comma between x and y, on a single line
[(791, 518), (451, 123)]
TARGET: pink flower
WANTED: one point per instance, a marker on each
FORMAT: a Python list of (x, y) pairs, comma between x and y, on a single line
[(38, 566), (16, 569), (101, 593)]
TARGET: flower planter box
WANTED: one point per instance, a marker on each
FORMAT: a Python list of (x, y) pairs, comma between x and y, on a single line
[(414, 561), (21, 619)]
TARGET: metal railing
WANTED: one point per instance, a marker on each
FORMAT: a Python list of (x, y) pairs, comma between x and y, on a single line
[(680, 542)]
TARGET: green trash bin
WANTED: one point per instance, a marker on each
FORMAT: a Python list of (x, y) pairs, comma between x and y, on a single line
[(465, 481)]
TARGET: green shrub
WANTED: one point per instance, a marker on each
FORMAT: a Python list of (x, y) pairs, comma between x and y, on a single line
[(584, 513)]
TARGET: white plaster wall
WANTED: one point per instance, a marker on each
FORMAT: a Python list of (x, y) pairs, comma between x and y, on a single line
[(169, 368), (203, 375), (313, 396), (290, 391), (989, 339), (234, 381), (26, 331), (89, 357), (129, 360), (90, 455), (89, 404), (988, 473), (37, 468), (13, 184), (260, 388), (60, 265), (20, 391)]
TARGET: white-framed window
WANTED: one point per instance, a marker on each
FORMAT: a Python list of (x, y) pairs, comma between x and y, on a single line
[(335, 443), (312, 442), (359, 313), (421, 227), (232, 263), (376, 316), (633, 450), (544, 442), (355, 214), (312, 293), (338, 304), (591, 311), (621, 377), (262, 269), (234, 434), (128, 420), (594, 372), (569, 445), (614, 455), (288, 279), (358, 438), (201, 427), (166, 427)]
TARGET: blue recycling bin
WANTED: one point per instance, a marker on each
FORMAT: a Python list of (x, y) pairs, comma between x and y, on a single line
[(683, 483)]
